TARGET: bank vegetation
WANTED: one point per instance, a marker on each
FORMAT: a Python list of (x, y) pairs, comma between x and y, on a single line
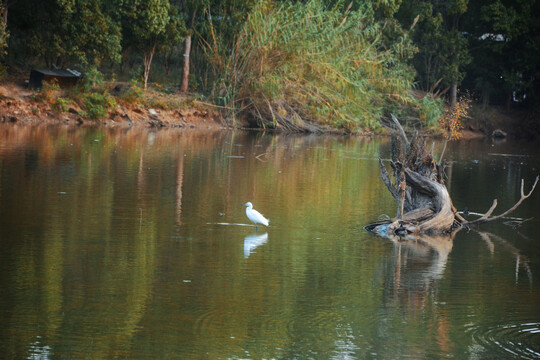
[(314, 65)]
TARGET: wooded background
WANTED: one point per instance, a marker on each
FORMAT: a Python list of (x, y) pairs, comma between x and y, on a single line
[(352, 61)]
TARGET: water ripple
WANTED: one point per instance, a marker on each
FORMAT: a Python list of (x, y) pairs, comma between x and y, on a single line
[(210, 319), (516, 340)]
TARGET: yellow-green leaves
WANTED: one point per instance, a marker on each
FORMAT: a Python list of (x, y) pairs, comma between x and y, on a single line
[(298, 65)]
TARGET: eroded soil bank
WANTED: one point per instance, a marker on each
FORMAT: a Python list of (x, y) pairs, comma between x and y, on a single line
[(18, 104)]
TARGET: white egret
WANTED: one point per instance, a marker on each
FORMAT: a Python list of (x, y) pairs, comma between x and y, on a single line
[(255, 216)]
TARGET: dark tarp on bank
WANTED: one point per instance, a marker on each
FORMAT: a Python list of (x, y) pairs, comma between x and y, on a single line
[(65, 78)]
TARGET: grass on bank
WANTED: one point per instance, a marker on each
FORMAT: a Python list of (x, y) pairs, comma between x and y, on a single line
[(304, 65), (93, 98)]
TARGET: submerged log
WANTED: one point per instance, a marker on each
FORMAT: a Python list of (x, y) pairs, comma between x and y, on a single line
[(424, 205)]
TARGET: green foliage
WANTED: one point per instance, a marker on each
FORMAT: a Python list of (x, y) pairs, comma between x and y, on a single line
[(144, 19), (173, 34), (333, 62), (75, 31), (153, 26), (301, 62), (163, 102), (219, 34), (443, 48), (136, 74), (61, 104), (91, 95), (94, 100), (134, 93), (382, 9), (95, 36), (204, 20), (97, 104), (92, 78), (430, 110), (498, 28)]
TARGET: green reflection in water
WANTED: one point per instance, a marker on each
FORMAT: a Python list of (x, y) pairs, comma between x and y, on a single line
[(126, 244)]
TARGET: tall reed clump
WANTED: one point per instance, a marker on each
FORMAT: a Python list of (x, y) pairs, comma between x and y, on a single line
[(304, 66)]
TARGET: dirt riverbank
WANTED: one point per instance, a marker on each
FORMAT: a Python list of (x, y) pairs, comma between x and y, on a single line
[(18, 104)]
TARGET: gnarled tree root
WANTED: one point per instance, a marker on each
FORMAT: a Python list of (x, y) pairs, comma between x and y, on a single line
[(424, 205)]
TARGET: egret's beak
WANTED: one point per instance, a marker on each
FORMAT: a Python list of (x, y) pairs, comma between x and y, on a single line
[(243, 205)]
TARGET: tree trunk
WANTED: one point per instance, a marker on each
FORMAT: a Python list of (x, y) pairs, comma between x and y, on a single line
[(424, 205), (147, 62), (185, 71), (453, 95)]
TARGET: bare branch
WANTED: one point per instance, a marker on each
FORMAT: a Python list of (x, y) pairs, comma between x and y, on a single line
[(460, 219), (486, 217), (443, 150), (387, 181), (400, 129), (402, 189)]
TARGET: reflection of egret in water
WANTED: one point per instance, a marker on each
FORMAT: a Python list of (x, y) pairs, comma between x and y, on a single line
[(253, 241)]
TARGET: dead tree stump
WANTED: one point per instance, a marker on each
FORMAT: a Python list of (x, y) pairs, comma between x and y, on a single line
[(424, 205)]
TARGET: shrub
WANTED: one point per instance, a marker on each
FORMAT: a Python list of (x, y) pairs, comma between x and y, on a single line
[(136, 74), (49, 92), (91, 79), (61, 104), (97, 105), (430, 110), (157, 103), (452, 119), (307, 61), (134, 94)]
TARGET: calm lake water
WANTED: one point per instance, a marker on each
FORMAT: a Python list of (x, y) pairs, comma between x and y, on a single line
[(132, 244)]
